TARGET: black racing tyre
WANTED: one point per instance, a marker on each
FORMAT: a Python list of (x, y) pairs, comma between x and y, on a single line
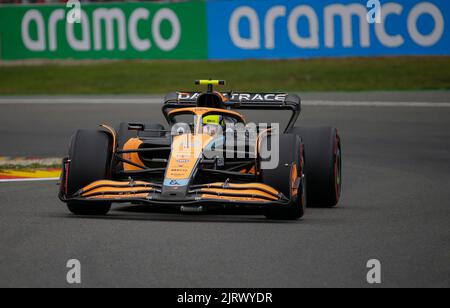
[(90, 160), (285, 177), (323, 164), (124, 134)]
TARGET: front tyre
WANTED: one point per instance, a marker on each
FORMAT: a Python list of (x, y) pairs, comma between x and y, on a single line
[(288, 178), (90, 157)]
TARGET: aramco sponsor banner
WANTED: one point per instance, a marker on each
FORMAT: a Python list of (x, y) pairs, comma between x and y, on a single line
[(227, 29), (105, 31), (242, 29)]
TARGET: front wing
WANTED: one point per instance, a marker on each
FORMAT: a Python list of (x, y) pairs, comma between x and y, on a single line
[(210, 195)]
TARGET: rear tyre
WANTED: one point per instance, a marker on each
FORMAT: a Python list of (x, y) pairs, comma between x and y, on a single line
[(289, 179), (90, 159), (323, 164)]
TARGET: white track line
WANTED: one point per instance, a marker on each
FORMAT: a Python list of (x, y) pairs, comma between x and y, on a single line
[(27, 180), (158, 101)]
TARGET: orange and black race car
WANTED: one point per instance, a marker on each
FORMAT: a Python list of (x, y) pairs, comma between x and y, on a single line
[(209, 157)]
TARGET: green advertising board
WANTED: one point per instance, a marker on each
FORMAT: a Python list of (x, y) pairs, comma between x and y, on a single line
[(104, 31)]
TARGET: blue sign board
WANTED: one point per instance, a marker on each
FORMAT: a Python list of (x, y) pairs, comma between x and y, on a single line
[(273, 29)]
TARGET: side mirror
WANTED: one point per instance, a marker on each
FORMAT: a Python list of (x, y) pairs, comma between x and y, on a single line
[(136, 126)]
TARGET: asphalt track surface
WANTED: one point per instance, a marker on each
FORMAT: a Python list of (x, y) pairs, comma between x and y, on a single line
[(395, 208)]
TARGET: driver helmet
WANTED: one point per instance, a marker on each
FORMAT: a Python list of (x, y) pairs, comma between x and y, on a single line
[(212, 124)]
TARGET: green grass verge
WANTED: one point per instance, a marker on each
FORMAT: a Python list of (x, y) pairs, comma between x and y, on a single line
[(146, 77)]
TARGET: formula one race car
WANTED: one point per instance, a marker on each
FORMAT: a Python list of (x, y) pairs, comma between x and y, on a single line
[(209, 157)]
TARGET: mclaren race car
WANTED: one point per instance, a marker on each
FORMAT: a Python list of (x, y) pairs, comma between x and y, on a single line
[(208, 157)]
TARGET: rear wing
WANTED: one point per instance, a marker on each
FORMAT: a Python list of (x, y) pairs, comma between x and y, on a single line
[(241, 100)]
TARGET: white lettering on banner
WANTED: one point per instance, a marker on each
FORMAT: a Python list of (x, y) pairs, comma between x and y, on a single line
[(36, 17), (110, 30), (109, 17), (272, 15), (253, 42), (136, 41), (304, 42), (83, 44), (56, 16), (172, 42), (346, 14), (436, 34), (387, 40)]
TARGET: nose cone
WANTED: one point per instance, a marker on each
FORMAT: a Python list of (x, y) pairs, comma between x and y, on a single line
[(186, 153)]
